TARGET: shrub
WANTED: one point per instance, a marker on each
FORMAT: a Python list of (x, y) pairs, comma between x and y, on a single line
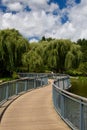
[(74, 72), (15, 75)]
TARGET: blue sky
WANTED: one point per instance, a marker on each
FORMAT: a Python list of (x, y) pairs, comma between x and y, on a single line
[(50, 18), (62, 3)]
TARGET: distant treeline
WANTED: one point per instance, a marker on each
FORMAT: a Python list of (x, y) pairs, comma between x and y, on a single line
[(57, 55)]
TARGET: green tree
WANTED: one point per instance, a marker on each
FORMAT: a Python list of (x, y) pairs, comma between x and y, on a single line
[(12, 47), (33, 61), (73, 57), (53, 55), (83, 44)]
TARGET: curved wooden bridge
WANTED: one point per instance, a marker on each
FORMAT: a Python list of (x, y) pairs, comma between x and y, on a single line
[(33, 111)]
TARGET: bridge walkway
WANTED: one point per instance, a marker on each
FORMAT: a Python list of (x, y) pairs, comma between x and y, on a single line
[(33, 111)]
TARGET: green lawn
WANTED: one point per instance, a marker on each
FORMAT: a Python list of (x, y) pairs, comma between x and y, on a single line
[(5, 79)]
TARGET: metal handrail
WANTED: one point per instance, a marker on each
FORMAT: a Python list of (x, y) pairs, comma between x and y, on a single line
[(15, 87), (71, 107)]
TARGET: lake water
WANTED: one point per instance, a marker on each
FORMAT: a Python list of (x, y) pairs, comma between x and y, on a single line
[(79, 86)]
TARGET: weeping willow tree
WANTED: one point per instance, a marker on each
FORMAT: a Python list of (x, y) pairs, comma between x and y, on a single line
[(62, 54), (50, 55), (12, 46), (73, 57), (55, 54), (32, 61)]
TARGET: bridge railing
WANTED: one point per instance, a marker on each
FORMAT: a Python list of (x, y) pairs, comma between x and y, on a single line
[(71, 108), (18, 86), (50, 75), (31, 74)]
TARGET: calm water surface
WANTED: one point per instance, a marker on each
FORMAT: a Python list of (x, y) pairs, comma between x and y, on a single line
[(79, 86)]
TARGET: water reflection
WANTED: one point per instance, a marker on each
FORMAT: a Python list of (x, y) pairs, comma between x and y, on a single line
[(79, 86)]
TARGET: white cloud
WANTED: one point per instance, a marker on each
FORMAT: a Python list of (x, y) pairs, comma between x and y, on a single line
[(15, 6), (30, 24), (38, 23), (42, 2), (35, 5), (33, 40), (78, 17)]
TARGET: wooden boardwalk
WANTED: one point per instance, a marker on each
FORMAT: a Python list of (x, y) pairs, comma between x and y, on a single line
[(33, 111)]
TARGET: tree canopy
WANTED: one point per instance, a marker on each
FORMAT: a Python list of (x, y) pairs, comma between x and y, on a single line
[(55, 55), (12, 46), (58, 55)]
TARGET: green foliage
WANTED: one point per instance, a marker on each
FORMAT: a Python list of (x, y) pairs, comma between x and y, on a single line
[(83, 44), (12, 47), (74, 72), (73, 57), (46, 39), (61, 55), (32, 60), (83, 64), (16, 54), (5, 79), (15, 76), (83, 68), (53, 55)]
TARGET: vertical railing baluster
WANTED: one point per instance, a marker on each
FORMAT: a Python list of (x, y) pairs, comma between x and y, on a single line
[(7, 89), (63, 84), (62, 105), (41, 81), (26, 82), (34, 82), (81, 116), (16, 88), (58, 83)]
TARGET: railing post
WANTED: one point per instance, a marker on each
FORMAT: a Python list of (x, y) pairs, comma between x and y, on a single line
[(7, 88), (58, 83), (81, 116), (34, 82), (41, 81), (67, 83), (16, 88), (45, 80), (62, 105), (25, 85), (53, 96), (63, 84)]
